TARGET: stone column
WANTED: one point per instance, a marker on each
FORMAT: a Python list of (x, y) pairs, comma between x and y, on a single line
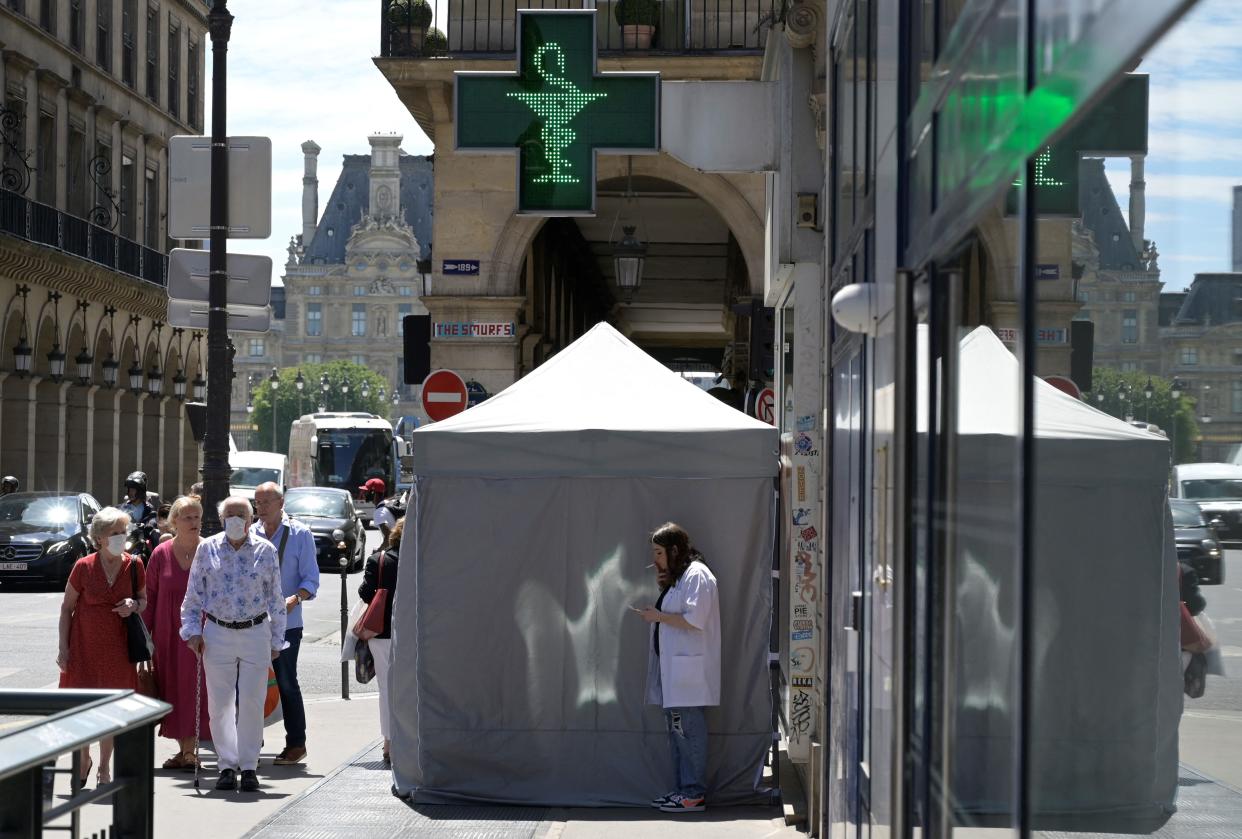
[(1138, 201), (310, 191), (159, 472), (62, 407), (139, 436), (90, 435), (32, 422)]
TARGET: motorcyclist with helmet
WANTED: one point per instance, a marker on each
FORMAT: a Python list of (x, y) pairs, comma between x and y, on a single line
[(136, 504), (9, 485)]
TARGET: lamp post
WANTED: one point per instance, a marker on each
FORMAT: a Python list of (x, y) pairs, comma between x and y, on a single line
[(1148, 392), (345, 395), (1175, 390), (323, 388), (216, 471), (299, 383), (273, 382)]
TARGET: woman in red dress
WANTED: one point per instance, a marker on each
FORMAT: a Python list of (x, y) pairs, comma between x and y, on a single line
[(168, 572), (104, 588)]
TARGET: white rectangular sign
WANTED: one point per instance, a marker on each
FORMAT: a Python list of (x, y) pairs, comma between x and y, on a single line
[(193, 315), (250, 277), (189, 187)]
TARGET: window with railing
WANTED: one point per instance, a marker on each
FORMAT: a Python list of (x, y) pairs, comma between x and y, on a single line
[(153, 53), (77, 25), (174, 68), (191, 82), (314, 319), (103, 34), (45, 163)]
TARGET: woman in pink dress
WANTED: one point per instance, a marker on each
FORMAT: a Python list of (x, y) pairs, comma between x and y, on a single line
[(168, 571)]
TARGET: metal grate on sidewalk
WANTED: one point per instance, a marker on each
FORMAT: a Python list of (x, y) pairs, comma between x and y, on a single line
[(356, 802)]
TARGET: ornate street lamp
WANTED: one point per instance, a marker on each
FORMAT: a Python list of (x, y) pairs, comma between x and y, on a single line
[(84, 362), (299, 383), (345, 395), (56, 362), (200, 386), (273, 382), (179, 384), (111, 367), (628, 259), (155, 381), (1176, 388), (136, 377), (366, 391), (22, 354)]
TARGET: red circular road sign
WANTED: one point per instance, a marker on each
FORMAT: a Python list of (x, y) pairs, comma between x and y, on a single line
[(765, 406), (444, 394), (1064, 385)]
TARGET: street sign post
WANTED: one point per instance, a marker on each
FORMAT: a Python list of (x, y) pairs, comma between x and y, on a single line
[(189, 277), (192, 314), (765, 406), (444, 395), (189, 187), (557, 111)]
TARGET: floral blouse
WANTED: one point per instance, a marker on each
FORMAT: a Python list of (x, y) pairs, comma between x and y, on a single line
[(234, 585)]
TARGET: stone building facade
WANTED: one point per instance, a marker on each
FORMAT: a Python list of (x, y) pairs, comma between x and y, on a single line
[(92, 382), (352, 275)]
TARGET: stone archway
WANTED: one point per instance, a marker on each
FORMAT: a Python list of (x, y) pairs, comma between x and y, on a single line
[(742, 213)]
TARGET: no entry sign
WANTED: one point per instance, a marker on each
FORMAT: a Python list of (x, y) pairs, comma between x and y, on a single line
[(444, 394), (765, 406)]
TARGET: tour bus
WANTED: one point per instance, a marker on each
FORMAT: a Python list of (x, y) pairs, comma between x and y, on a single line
[(343, 450)]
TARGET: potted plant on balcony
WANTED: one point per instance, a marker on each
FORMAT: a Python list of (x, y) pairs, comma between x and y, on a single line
[(637, 19), (435, 43), (407, 22)]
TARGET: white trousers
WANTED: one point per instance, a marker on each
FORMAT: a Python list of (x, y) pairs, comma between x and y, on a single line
[(235, 664), (381, 650)]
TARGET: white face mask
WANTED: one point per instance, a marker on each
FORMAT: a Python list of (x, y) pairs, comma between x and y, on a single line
[(116, 544), (235, 528)]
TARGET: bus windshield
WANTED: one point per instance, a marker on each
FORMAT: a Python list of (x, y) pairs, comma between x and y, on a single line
[(347, 457)]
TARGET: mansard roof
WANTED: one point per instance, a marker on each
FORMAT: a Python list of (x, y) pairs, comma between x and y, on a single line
[(1212, 299), (351, 198), (1102, 216)]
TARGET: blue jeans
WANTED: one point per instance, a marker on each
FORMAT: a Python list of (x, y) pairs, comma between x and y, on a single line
[(687, 737), (286, 667)]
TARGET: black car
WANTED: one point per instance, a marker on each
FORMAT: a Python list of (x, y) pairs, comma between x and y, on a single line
[(325, 511), (1197, 545), (42, 534)]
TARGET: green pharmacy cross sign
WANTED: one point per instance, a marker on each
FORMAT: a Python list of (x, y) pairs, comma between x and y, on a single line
[(557, 111)]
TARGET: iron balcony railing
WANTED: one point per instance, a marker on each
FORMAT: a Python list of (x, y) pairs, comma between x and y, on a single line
[(60, 723), (480, 27), (44, 225)]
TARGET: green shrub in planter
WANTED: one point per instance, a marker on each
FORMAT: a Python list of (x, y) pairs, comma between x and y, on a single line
[(435, 43), (637, 12), (413, 13)]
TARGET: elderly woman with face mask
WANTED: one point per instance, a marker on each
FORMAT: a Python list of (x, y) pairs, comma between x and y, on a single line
[(104, 588)]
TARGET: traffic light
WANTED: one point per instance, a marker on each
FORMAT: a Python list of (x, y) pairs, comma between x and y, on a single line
[(1082, 352), (416, 331)]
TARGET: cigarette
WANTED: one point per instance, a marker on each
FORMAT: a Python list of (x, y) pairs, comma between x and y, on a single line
[(652, 565)]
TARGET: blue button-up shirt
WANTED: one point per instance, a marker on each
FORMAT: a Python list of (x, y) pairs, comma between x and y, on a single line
[(234, 585), (299, 568)]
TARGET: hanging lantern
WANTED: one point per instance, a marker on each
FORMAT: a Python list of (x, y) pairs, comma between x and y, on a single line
[(200, 387), (628, 258), (136, 378), (110, 369), (56, 363), (22, 354), (179, 384), (84, 361), (155, 382)]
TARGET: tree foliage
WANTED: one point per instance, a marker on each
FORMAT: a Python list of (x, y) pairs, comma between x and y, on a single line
[(1123, 395), (344, 393)]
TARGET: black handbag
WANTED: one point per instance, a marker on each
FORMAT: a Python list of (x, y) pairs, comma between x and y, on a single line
[(137, 638)]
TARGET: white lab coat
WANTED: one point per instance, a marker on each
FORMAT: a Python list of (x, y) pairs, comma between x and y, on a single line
[(686, 673)]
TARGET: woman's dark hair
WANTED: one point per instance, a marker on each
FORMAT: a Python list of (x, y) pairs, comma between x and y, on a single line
[(677, 547)]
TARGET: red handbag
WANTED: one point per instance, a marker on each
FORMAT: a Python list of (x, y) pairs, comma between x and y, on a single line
[(372, 621)]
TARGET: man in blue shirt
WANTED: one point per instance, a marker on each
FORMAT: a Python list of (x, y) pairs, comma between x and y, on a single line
[(299, 579)]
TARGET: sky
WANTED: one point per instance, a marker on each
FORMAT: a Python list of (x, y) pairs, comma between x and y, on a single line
[(1194, 142), (301, 71)]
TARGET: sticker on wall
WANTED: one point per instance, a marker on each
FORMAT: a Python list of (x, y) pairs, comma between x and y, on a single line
[(801, 635), (800, 472), (806, 423), (802, 516)]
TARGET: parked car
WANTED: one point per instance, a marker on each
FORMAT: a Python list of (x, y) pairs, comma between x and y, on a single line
[(42, 534), (1197, 545), (1217, 489), (325, 511)]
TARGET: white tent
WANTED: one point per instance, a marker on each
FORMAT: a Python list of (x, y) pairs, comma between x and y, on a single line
[(518, 671), (1107, 676)]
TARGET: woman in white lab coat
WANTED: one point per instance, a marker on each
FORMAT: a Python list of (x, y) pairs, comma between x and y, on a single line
[(683, 666)]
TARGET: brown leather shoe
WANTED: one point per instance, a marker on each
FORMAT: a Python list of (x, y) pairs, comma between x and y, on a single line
[(291, 756)]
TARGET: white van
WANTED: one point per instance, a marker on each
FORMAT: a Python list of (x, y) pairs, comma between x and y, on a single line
[(253, 468), (1217, 489)]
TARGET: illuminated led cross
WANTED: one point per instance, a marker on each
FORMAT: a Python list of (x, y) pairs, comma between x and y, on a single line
[(557, 112)]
